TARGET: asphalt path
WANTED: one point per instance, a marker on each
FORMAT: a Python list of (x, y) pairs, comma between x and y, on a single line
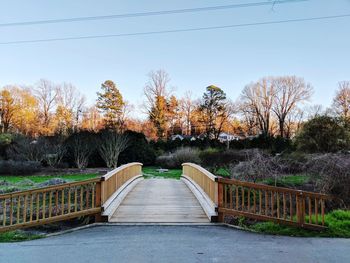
[(160, 243)]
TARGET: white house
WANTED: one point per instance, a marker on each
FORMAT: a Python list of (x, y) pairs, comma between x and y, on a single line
[(226, 137)]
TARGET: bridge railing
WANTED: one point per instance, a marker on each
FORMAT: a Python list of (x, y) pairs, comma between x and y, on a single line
[(269, 203), (49, 204), (206, 180), (113, 180)]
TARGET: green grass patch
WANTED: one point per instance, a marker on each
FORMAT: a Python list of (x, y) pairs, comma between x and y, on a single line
[(17, 236), (337, 222), (288, 181), (152, 172), (43, 178), (223, 172)]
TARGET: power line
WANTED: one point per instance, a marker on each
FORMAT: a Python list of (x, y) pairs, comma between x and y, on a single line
[(154, 13), (176, 30)]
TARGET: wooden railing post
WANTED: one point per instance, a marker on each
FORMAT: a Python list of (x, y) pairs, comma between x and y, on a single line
[(220, 202), (301, 209), (98, 217)]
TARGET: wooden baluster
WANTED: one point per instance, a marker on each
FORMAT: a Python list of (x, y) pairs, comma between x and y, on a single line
[(237, 198), (11, 211), (31, 208), (62, 202), (87, 197), (56, 202), (243, 200), (322, 211), (284, 207), (25, 209), (278, 204), (44, 205), (260, 202), (225, 195), (272, 204), (297, 207), (4, 213), (76, 199), (290, 207), (254, 196), (266, 203), (316, 210), (37, 207), (310, 210), (220, 202), (50, 204), (249, 200), (93, 196), (231, 196), (18, 209), (81, 198), (69, 199)]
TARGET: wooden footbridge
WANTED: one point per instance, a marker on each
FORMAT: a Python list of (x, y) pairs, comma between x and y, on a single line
[(124, 196)]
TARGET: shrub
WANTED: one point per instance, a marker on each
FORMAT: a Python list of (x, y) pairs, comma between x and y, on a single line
[(180, 156), (258, 166), (332, 175), (323, 134), (139, 150), (19, 167), (214, 160), (81, 146)]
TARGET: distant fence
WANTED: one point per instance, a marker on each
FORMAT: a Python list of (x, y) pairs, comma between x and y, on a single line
[(269, 203), (49, 204)]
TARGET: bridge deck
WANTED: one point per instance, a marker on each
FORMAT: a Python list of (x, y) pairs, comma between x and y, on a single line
[(160, 201)]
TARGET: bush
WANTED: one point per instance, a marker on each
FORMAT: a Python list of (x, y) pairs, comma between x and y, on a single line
[(323, 134), (19, 167), (180, 156), (332, 175), (139, 150), (259, 166), (214, 160)]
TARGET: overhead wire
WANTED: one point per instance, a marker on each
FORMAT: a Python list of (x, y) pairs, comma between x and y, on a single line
[(176, 30), (152, 13)]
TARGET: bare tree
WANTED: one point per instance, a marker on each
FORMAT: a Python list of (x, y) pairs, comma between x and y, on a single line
[(46, 93), (341, 102), (82, 149), (289, 92), (111, 145), (157, 93), (72, 101), (187, 106), (257, 98)]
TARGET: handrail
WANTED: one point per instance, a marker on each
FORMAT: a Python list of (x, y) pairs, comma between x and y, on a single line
[(113, 180), (49, 204), (269, 203), (204, 179)]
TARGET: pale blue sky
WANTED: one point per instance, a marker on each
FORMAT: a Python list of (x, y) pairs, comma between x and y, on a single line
[(319, 51)]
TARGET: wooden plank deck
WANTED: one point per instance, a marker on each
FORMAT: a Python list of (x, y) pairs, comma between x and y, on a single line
[(160, 201)]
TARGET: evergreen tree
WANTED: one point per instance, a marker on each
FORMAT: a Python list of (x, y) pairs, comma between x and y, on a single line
[(111, 103), (212, 107)]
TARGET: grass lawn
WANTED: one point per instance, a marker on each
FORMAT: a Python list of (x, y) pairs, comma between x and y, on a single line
[(12, 183), (338, 223), (44, 178), (289, 180), (151, 171), (16, 236)]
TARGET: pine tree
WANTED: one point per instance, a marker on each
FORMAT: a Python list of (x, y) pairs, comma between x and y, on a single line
[(110, 102)]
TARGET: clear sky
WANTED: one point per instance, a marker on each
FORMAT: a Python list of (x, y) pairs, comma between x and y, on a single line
[(230, 58)]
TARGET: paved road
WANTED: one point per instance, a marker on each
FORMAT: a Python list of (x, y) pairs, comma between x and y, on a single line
[(174, 244)]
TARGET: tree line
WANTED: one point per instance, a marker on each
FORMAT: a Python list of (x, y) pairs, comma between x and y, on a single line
[(271, 106)]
